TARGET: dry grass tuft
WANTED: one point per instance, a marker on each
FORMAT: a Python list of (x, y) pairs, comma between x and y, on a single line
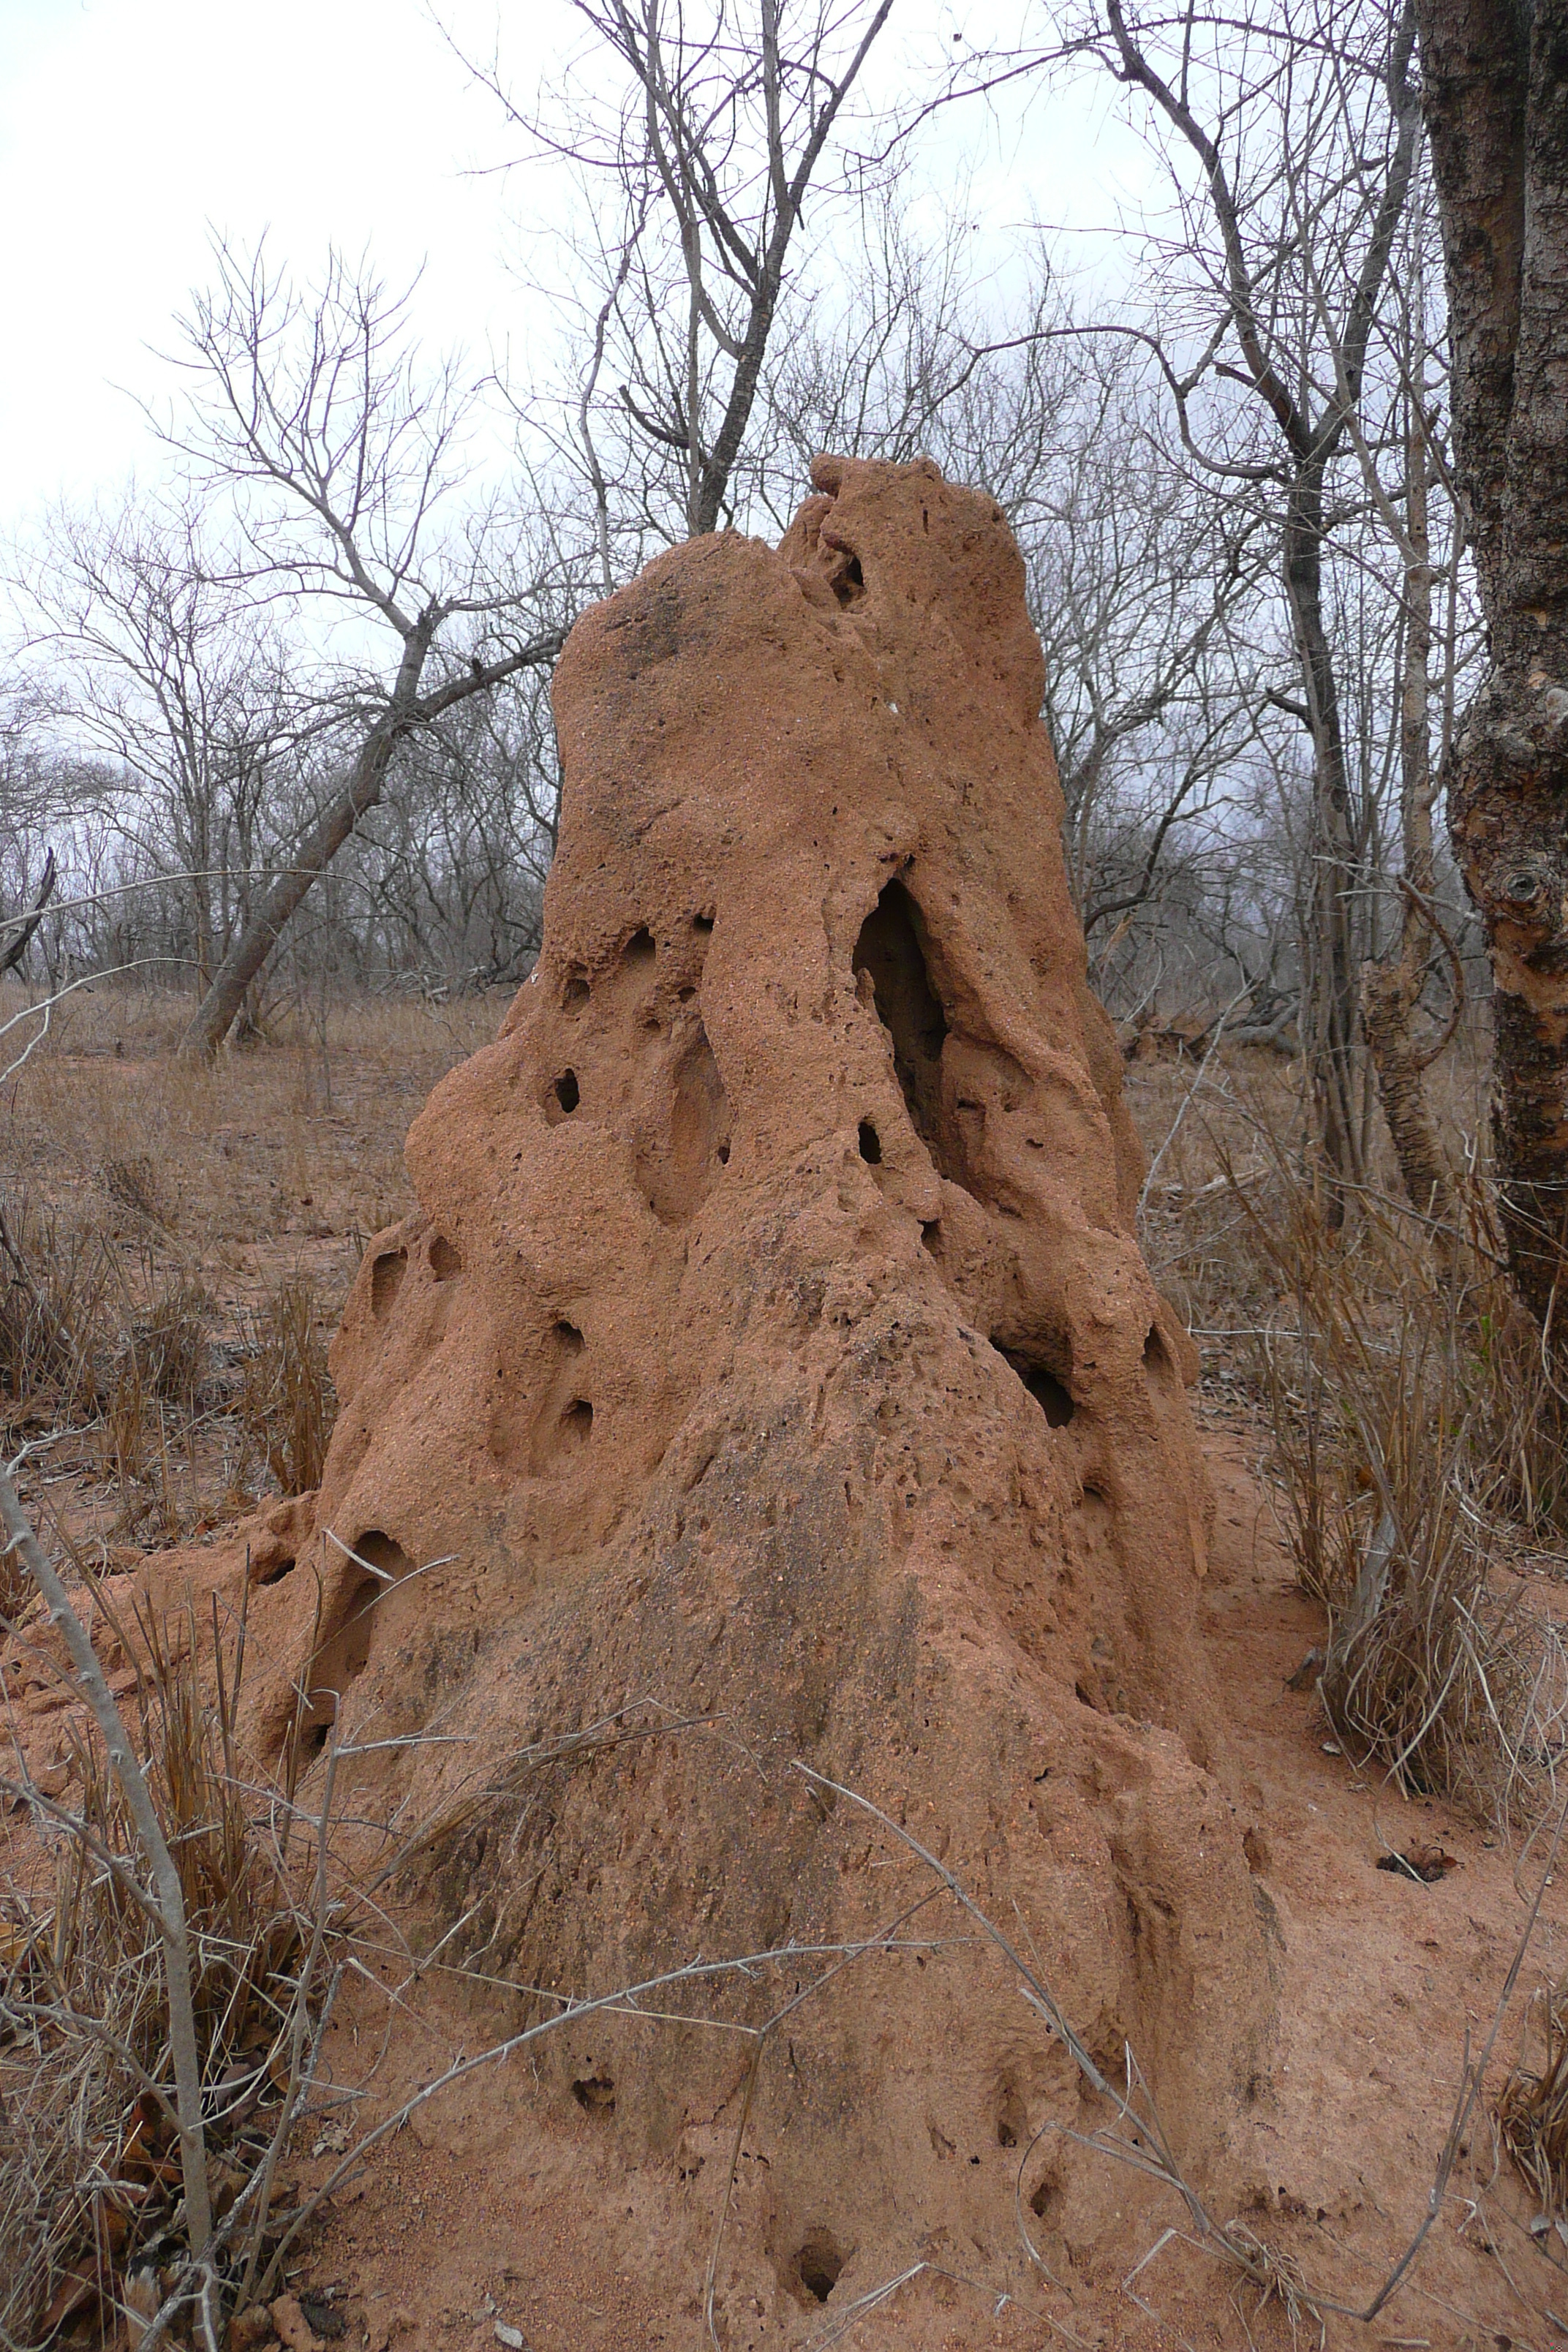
[(169, 1345), (54, 1281), (89, 2173), (1532, 2108), (135, 1184), (286, 1405), (1409, 1433)]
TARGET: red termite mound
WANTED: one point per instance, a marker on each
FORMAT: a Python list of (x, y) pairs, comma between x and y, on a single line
[(771, 1370)]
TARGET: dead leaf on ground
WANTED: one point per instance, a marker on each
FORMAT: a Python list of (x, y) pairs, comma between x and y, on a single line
[(1428, 1863)]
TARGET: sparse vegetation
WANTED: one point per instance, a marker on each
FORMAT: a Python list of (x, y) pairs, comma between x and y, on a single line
[(104, 2192), (285, 1404)]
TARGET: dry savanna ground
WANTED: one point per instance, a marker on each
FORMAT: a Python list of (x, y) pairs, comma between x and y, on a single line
[(177, 1247)]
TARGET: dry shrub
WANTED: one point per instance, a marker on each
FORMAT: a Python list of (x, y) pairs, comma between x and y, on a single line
[(169, 1344), (54, 1284), (90, 2172), (1408, 1435), (133, 1182), (156, 1375), (286, 1405), (1532, 2108)]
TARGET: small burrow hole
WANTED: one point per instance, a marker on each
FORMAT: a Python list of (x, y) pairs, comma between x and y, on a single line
[(569, 1337), (640, 948), (685, 995), (1044, 2198), (575, 995), (724, 1155), (701, 922), (386, 1273), (818, 2265), (870, 1145), (566, 1091), (445, 1262), (1155, 1360), (577, 1419), (594, 2094), (276, 1573), (931, 1236)]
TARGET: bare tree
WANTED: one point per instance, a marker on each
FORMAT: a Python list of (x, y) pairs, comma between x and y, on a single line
[(311, 415), (719, 122), (1144, 587), (1393, 987), (168, 672), (1298, 259)]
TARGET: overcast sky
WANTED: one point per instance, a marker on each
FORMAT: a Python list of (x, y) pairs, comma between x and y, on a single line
[(127, 127)]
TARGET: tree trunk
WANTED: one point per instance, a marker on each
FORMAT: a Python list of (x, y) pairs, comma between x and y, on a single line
[(220, 1007), (1495, 94), (220, 1004), (1391, 990), (1329, 1031), (405, 709)]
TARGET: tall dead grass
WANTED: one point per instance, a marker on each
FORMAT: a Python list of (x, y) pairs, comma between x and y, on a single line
[(1418, 1453), (90, 2178), (286, 1404)]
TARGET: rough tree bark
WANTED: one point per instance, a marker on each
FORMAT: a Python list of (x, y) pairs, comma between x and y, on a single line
[(1391, 990), (1495, 96)]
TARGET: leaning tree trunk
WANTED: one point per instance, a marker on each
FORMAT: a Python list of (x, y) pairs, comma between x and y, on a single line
[(219, 1008), (1495, 94), (405, 709)]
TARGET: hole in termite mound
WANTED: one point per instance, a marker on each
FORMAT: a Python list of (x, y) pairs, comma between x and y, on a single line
[(446, 1262), (849, 581), (564, 1098), (594, 2094), (569, 1337), (577, 1421), (275, 1571), (386, 1275), (870, 1145), (891, 951), (819, 2266), (1011, 2123), (639, 948), (1052, 1395), (575, 995), (701, 922), (1155, 1359), (1046, 2196)]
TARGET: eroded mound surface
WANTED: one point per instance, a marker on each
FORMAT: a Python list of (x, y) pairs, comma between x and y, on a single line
[(771, 1373)]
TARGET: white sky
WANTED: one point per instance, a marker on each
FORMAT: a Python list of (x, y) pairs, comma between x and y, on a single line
[(128, 126)]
